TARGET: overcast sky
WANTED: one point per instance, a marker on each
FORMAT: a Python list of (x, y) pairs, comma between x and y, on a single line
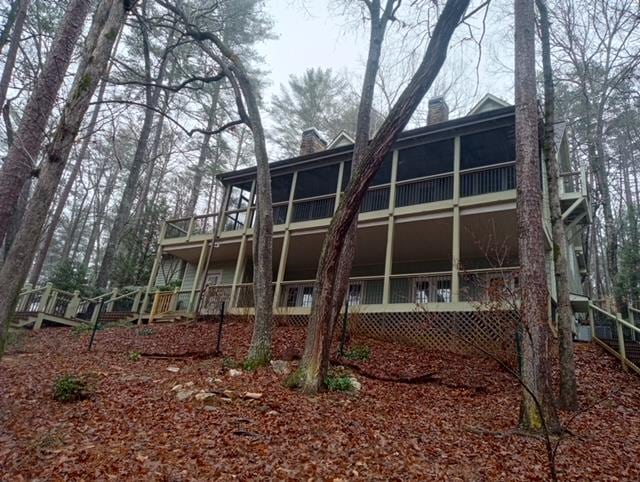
[(310, 35)]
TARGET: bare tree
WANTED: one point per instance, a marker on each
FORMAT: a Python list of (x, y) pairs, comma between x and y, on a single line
[(315, 362), (21, 158), (107, 22), (568, 392), (533, 331)]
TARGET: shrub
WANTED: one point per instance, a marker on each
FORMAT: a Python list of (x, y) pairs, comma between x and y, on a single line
[(228, 363), (339, 383), (70, 388), (359, 352), (84, 328), (134, 356), (294, 380)]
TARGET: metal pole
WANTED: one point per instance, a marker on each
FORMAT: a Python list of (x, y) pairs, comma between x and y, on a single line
[(344, 325), (95, 325), (220, 328)]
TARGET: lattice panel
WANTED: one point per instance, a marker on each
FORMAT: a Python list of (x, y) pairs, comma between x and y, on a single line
[(459, 332)]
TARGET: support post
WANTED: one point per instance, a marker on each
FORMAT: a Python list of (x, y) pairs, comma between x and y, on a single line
[(455, 234), (153, 276), (592, 322), (72, 307), (174, 299), (388, 262), (282, 266), (621, 348), (199, 274), (238, 272), (339, 187), (44, 300), (114, 295), (136, 300)]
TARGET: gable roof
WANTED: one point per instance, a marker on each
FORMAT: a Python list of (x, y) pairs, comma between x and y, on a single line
[(488, 102), (342, 139)]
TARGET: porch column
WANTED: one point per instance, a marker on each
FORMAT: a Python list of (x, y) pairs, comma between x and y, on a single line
[(199, 274), (339, 186), (282, 266), (388, 260), (238, 271), (284, 252), (154, 274), (388, 263), (455, 248)]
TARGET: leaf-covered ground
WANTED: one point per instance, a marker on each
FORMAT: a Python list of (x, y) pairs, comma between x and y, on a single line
[(458, 426)]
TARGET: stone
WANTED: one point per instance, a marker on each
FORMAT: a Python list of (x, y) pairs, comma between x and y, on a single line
[(252, 395), (205, 397), (173, 369), (210, 408), (281, 367), (356, 384), (271, 413), (183, 395), (235, 373), (176, 387)]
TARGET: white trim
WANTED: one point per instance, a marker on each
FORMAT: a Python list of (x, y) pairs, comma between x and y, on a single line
[(488, 97)]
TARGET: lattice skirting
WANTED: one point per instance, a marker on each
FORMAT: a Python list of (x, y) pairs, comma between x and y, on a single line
[(466, 332)]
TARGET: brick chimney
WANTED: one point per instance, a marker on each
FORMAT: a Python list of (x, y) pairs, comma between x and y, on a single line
[(312, 142), (438, 111)]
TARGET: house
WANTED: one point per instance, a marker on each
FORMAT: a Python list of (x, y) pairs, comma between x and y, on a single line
[(437, 230)]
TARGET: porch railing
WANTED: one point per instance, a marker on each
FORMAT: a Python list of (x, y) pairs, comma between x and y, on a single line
[(421, 288), (203, 224), (424, 190), (488, 179), (618, 336), (489, 285), (318, 207), (375, 199)]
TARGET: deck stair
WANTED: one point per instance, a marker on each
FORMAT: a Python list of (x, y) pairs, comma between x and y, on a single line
[(46, 305), (616, 335)]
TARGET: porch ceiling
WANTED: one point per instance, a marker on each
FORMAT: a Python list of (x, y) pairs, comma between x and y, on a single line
[(489, 235), (427, 240)]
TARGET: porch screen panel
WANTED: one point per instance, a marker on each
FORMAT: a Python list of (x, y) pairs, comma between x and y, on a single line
[(280, 189), (320, 184), (431, 165), (489, 156)]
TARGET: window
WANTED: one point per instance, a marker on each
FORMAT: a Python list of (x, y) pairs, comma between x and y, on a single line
[(307, 296), (425, 160), (488, 147), (355, 294), (422, 291)]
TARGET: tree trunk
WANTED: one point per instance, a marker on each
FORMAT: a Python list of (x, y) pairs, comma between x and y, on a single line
[(128, 195), (317, 348), (568, 392), (101, 209), (537, 411), (204, 154), (64, 195), (24, 151), (379, 19), (107, 22), (14, 47)]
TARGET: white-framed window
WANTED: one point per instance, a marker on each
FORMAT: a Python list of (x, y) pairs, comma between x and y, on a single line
[(214, 278)]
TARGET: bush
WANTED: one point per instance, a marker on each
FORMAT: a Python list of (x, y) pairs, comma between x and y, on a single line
[(339, 383), (70, 388), (134, 356), (294, 380), (228, 363), (359, 352)]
